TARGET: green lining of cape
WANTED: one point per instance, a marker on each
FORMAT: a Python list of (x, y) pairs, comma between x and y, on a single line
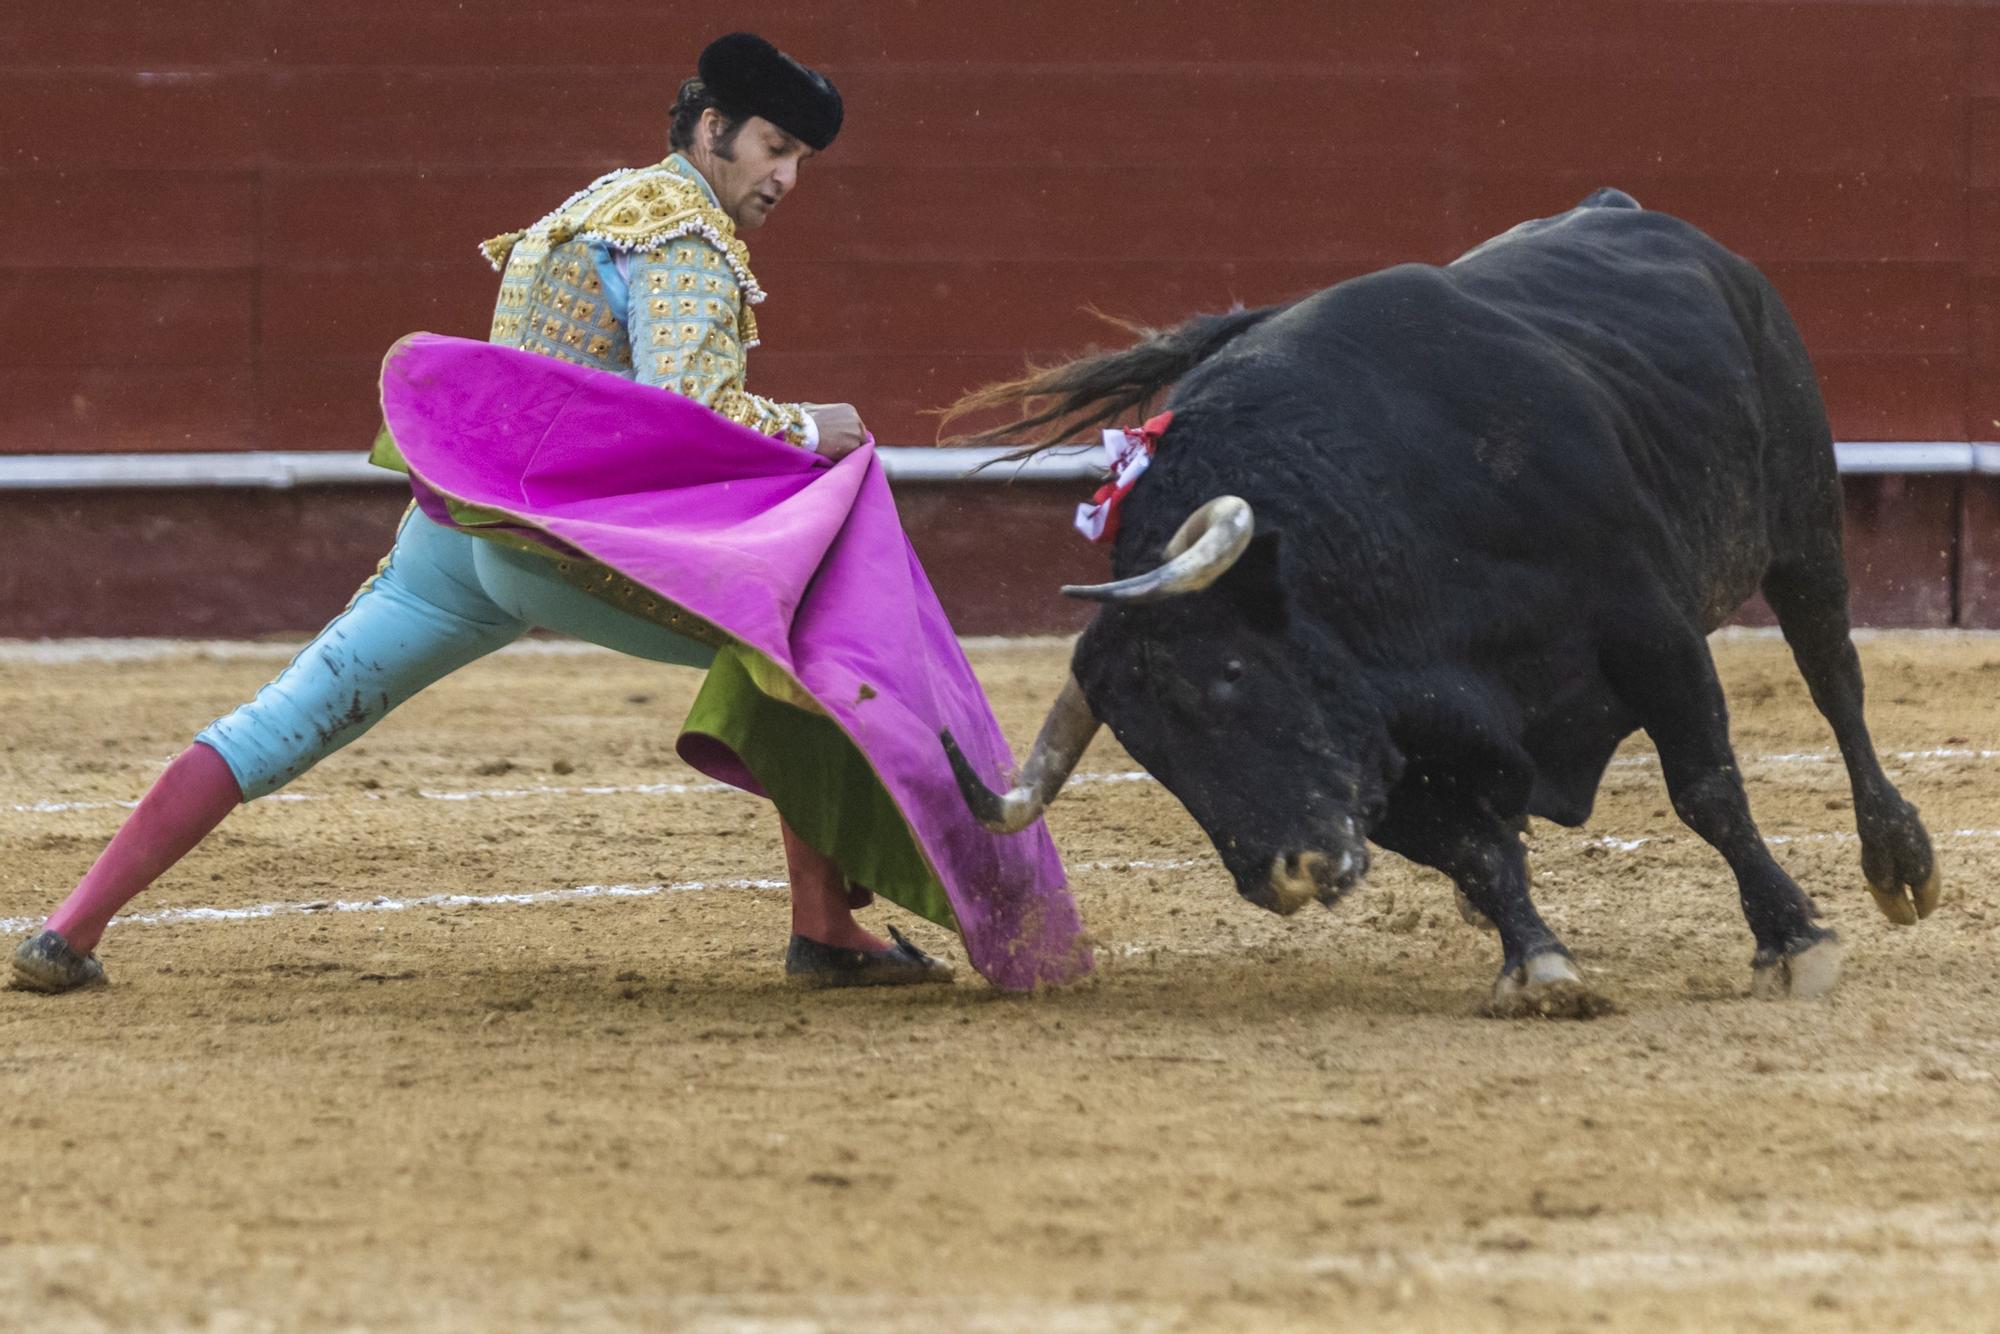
[(811, 769), (385, 453), (820, 782)]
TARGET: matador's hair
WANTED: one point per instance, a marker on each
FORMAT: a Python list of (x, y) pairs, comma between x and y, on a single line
[(693, 99)]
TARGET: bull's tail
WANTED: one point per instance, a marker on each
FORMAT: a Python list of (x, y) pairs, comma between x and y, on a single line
[(1057, 402)]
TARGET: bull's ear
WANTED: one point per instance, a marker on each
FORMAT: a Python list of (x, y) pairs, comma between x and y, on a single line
[(1256, 584)]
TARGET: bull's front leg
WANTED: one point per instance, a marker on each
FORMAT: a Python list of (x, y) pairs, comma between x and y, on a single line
[(1668, 679), (1475, 918), (1538, 978)]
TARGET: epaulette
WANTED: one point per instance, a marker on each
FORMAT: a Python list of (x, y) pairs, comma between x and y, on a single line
[(499, 248), (637, 210)]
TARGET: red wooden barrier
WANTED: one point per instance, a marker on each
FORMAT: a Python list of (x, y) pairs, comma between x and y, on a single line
[(251, 200), (220, 212)]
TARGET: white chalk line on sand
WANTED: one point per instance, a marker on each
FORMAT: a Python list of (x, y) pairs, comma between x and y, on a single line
[(577, 893), (52, 807), (498, 793), (426, 794), (1614, 844), (1828, 757), (284, 908)]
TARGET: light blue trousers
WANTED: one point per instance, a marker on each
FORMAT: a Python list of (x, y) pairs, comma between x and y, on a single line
[(442, 599)]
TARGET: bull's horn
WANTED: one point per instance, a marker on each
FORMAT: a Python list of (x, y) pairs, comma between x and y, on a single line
[(1059, 745), (1201, 553)]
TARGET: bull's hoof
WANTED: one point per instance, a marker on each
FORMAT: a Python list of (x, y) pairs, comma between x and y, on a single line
[(1799, 974), (1545, 987), (1473, 917), (44, 962), (1906, 905), (1898, 863)]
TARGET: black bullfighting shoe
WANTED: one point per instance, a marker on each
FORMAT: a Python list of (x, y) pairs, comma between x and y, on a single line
[(45, 962), (808, 963)]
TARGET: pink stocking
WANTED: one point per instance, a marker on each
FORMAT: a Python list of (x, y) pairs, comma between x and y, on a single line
[(820, 902), (187, 801)]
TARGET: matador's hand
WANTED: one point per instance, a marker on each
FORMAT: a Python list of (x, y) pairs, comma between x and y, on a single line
[(840, 428)]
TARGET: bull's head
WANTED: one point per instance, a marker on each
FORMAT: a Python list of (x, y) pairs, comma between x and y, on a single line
[(1197, 670)]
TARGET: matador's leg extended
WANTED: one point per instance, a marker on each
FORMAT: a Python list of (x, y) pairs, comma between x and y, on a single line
[(419, 618)]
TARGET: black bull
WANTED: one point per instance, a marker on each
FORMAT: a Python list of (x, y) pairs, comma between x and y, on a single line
[(1456, 532)]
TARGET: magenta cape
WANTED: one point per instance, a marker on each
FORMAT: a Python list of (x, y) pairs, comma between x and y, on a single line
[(803, 560)]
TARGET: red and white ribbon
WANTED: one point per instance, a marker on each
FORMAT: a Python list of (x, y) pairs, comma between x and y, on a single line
[(1128, 452)]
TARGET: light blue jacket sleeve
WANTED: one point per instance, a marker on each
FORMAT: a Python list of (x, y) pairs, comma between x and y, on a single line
[(681, 309)]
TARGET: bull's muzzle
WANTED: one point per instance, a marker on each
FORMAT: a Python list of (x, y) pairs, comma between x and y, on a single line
[(1298, 878)]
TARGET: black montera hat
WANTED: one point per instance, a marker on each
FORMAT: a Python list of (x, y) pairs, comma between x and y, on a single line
[(746, 73)]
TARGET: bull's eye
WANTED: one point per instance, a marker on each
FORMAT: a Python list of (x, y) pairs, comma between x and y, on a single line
[(1221, 693)]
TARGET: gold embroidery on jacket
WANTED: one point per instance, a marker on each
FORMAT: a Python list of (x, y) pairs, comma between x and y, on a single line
[(690, 277)]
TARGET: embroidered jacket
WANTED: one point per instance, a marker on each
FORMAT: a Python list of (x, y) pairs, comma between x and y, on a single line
[(640, 273)]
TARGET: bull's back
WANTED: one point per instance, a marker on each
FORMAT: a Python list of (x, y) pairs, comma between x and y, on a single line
[(1674, 332), (1594, 391)]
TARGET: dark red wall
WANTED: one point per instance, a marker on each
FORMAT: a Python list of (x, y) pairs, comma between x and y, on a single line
[(218, 213)]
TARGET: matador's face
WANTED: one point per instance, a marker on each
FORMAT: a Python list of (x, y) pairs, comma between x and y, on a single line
[(750, 170)]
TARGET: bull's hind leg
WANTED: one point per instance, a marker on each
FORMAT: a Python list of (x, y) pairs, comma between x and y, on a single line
[(1810, 598), (1668, 679)]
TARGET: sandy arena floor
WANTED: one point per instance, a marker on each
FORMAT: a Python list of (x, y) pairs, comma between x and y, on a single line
[(364, 1106)]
